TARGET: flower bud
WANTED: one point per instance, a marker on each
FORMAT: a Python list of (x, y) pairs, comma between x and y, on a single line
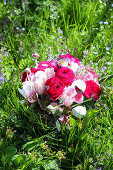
[(79, 111), (27, 70), (36, 55)]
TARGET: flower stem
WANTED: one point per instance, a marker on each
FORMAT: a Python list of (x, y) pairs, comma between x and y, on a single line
[(81, 103), (106, 78), (36, 62)]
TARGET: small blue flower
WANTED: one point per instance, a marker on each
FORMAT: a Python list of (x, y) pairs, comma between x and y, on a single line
[(85, 52), (2, 78), (17, 28), (107, 48), (105, 4), (21, 136), (23, 29), (95, 52), (99, 168), (100, 1), (101, 22), (6, 53), (4, 2), (57, 39), (60, 31), (104, 68), (60, 36), (112, 5), (109, 63), (2, 75), (69, 50), (25, 140), (105, 23), (93, 47)]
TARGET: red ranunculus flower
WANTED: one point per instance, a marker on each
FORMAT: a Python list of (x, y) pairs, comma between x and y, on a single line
[(54, 88), (24, 74), (66, 75), (92, 90), (72, 58)]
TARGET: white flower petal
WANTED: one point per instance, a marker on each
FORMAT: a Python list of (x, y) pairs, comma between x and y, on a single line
[(80, 84), (40, 75), (73, 66), (79, 111), (28, 87)]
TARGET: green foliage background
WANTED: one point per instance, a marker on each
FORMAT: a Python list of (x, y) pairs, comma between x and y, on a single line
[(28, 139)]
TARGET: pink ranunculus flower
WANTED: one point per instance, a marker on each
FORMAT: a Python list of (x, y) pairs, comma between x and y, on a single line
[(64, 119), (40, 75), (68, 102), (43, 65), (28, 87), (68, 96), (50, 73), (53, 64), (79, 98), (72, 58), (30, 91), (39, 85), (30, 74), (66, 75), (86, 74)]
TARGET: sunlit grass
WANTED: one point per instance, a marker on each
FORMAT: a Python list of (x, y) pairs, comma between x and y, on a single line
[(83, 29)]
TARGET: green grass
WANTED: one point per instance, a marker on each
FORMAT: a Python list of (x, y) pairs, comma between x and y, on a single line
[(29, 139)]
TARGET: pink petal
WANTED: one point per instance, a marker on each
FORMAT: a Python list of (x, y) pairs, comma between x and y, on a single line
[(79, 97), (64, 119)]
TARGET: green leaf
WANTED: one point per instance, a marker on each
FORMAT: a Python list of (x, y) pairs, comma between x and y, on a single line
[(19, 159), (58, 125), (51, 164), (32, 144), (72, 121), (10, 150)]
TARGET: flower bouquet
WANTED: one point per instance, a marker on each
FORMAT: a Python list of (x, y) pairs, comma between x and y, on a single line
[(60, 86)]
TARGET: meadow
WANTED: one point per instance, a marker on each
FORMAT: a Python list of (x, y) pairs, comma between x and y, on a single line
[(29, 139)]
